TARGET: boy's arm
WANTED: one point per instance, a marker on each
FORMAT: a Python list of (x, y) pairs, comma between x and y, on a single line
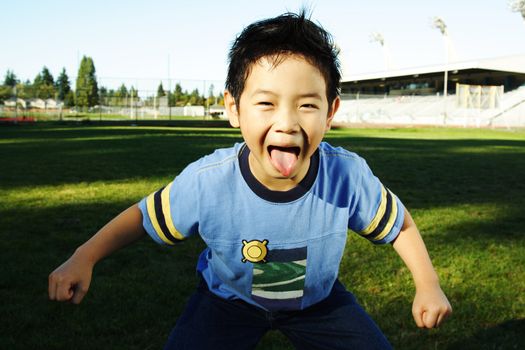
[(430, 306), (71, 280)]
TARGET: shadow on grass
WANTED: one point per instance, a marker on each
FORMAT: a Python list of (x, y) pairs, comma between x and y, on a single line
[(134, 299), (52, 156), (138, 293), (424, 173), (464, 330), (507, 335)]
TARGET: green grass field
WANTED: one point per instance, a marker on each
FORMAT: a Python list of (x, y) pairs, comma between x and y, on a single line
[(59, 183)]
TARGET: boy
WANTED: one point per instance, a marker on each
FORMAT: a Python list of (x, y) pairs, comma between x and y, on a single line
[(274, 211)]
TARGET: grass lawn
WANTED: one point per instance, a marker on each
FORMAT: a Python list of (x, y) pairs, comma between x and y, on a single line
[(59, 183)]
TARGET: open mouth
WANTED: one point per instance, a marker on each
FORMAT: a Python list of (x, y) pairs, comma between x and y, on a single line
[(284, 159), (293, 150)]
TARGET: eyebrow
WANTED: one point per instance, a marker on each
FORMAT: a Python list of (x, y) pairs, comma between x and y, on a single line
[(263, 92), (312, 95), (305, 95)]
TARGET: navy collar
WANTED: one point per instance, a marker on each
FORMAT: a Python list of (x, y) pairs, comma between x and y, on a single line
[(278, 196)]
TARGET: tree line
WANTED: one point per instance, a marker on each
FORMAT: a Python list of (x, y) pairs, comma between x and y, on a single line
[(87, 92)]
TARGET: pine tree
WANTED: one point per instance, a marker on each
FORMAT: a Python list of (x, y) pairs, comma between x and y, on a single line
[(122, 90), (38, 81), (121, 95), (177, 96), (47, 78), (160, 91), (62, 85), (103, 96), (86, 86), (133, 92), (44, 85), (10, 79), (178, 91)]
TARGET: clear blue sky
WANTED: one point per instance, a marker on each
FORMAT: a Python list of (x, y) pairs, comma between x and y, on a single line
[(140, 42)]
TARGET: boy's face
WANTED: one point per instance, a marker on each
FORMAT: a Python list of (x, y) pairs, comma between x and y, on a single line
[(283, 116)]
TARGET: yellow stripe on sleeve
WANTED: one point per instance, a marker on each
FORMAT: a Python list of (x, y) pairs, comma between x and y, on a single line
[(153, 218), (166, 210), (379, 214), (391, 219)]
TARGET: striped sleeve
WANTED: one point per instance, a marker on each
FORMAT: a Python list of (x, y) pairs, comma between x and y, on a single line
[(379, 214), (157, 217)]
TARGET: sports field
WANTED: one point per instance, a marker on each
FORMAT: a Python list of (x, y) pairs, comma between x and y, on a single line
[(59, 183)]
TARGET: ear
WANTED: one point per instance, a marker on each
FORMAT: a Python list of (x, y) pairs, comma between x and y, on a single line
[(231, 109), (332, 112)]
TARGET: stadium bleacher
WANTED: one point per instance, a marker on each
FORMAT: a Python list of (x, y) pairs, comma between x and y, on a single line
[(415, 96)]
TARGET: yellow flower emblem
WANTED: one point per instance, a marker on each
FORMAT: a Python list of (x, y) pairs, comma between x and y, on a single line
[(254, 251)]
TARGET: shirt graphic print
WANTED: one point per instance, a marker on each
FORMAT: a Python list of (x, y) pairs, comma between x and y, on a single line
[(278, 281)]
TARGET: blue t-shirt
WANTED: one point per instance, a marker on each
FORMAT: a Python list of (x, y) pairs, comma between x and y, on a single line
[(275, 250)]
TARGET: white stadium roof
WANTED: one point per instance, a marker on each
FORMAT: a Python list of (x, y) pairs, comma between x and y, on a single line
[(514, 64)]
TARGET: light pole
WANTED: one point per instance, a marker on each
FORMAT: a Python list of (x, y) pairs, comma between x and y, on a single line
[(378, 37), (16, 101), (169, 87), (438, 23)]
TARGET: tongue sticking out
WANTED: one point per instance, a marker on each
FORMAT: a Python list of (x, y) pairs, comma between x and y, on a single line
[(283, 159)]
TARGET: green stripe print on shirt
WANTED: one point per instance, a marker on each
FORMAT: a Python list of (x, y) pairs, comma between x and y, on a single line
[(279, 283)]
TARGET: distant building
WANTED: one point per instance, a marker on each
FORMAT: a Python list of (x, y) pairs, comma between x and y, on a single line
[(12, 102), (39, 103), (53, 104), (506, 71), (217, 111)]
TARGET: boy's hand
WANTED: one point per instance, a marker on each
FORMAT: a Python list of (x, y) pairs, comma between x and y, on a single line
[(71, 280), (430, 307)]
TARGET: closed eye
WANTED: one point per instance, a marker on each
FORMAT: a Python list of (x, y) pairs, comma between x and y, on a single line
[(309, 106), (264, 105)]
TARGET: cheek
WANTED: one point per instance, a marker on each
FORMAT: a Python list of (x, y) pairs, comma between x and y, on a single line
[(315, 128), (254, 135)]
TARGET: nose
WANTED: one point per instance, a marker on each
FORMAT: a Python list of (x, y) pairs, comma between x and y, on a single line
[(286, 121)]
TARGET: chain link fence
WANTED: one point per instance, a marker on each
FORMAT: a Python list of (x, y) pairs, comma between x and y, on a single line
[(190, 99)]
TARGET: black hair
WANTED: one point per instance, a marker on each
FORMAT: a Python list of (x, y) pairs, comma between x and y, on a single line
[(288, 33)]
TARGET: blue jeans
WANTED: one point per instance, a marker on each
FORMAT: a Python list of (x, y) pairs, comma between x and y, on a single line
[(337, 322)]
